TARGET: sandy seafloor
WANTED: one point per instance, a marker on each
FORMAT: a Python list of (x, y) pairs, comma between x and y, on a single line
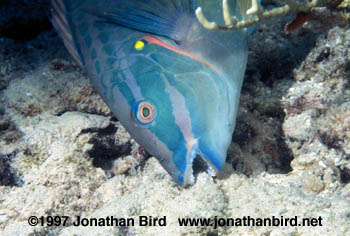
[(63, 154)]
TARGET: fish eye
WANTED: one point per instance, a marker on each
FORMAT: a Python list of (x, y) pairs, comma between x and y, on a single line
[(144, 113)]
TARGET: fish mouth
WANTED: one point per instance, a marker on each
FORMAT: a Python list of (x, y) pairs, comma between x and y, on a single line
[(199, 160), (187, 178)]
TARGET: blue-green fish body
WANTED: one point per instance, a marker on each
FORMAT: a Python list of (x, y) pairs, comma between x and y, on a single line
[(174, 85)]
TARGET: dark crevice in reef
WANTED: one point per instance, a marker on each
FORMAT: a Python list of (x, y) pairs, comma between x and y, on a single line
[(344, 175), (274, 112), (23, 20), (8, 131), (199, 165), (276, 65), (271, 61), (90, 112), (23, 30), (105, 148), (7, 175), (276, 56), (347, 72), (212, 233), (285, 156), (243, 133), (332, 142), (3, 83), (258, 131)]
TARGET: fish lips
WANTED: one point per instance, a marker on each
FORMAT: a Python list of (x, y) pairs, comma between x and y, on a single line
[(211, 149)]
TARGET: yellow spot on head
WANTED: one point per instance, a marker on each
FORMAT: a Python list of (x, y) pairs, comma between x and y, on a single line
[(139, 45)]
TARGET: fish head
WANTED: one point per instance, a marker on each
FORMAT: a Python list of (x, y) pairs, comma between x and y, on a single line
[(172, 84), (181, 105)]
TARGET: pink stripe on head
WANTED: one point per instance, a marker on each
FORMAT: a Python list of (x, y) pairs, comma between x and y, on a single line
[(162, 44), (153, 40)]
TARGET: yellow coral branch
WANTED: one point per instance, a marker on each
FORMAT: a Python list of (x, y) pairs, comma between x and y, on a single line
[(257, 14)]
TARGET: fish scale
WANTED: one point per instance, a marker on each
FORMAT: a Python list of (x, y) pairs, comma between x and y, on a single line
[(172, 84)]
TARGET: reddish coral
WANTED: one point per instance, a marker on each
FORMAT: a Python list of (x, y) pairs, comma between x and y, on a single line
[(299, 20)]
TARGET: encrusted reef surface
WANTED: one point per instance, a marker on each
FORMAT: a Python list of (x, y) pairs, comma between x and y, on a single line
[(63, 154)]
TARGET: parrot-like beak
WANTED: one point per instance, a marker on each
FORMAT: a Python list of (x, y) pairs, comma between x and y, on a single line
[(212, 149)]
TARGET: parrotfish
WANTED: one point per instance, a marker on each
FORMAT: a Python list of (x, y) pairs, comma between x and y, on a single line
[(174, 85)]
